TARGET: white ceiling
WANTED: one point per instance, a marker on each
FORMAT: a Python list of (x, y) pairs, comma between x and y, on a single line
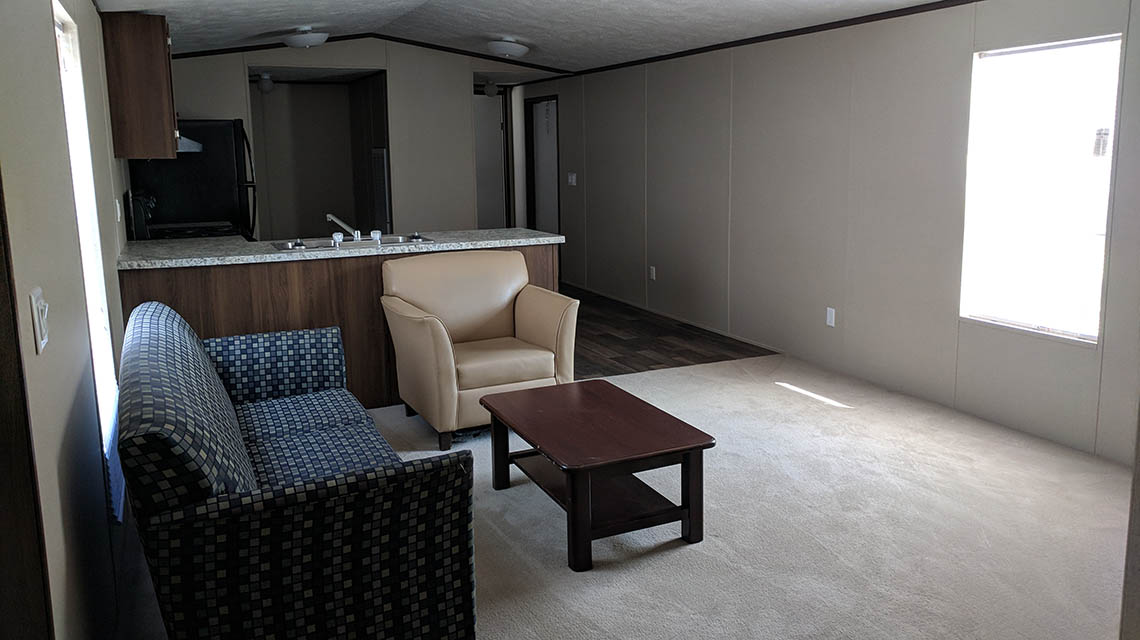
[(567, 34)]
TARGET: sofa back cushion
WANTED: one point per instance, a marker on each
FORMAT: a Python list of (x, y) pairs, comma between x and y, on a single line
[(472, 292), (179, 440)]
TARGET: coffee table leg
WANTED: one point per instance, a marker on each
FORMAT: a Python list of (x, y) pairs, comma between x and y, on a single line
[(578, 522), (500, 459), (692, 497)]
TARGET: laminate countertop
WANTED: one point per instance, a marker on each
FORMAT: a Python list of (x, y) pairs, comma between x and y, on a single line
[(204, 252)]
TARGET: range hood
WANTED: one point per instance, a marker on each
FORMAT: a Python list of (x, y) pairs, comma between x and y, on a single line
[(186, 145)]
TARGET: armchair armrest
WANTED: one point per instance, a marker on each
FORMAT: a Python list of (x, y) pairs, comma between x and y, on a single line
[(425, 362), (262, 366), (369, 553), (548, 320)]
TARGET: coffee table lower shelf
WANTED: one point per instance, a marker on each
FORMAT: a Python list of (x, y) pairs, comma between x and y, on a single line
[(619, 502)]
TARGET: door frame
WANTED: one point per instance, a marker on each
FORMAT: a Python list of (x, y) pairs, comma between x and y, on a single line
[(23, 555), (531, 199)]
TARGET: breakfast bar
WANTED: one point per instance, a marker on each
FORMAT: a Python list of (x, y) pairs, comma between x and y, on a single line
[(228, 286)]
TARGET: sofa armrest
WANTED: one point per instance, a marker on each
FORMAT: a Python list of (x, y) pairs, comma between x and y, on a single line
[(425, 362), (364, 554), (262, 366), (548, 320)]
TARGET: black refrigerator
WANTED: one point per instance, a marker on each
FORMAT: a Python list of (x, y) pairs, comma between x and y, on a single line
[(208, 190)]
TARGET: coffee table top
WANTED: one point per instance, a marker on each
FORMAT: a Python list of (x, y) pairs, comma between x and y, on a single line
[(591, 424)]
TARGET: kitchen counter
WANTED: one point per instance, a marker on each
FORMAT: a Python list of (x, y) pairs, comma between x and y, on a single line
[(204, 252), (227, 287)]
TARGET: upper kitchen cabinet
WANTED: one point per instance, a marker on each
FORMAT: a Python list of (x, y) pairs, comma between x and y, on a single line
[(141, 95)]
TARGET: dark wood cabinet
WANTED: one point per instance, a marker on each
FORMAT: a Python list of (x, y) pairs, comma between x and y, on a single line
[(139, 86)]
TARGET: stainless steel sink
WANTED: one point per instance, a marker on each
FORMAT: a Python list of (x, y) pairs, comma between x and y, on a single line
[(412, 239), (326, 244)]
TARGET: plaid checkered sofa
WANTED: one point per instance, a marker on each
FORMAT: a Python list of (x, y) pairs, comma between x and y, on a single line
[(269, 505)]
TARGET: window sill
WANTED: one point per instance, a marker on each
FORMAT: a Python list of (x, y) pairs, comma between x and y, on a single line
[(1033, 333)]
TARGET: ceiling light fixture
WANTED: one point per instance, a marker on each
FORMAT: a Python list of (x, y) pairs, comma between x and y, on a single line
[(507, 48), (305, 37)]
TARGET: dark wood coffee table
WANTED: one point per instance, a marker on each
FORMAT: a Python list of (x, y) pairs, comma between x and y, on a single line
[(589, 439)]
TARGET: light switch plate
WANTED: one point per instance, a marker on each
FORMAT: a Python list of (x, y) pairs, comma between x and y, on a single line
[(572, 179), (830, 317), (652, 273), (39, 318)]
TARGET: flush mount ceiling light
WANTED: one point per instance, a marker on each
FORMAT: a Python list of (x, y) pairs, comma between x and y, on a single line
[(305, 37), (507, 48)]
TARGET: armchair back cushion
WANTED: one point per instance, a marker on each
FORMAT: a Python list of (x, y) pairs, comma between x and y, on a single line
[(472, 292), (179, 439)]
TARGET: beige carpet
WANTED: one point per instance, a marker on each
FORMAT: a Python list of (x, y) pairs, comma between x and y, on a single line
[(894, 518)]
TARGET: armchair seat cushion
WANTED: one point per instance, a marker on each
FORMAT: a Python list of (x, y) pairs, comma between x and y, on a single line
[(311, 455), (486, 363), (280, 417)]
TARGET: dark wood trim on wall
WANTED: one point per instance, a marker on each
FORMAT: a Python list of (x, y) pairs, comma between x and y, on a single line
[(259, 47), (25, 600), (473, 54), (509, 154), (378, 36), (779, 35), (508, 166)]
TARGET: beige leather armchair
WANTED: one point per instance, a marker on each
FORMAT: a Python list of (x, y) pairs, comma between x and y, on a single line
[(467, 324)]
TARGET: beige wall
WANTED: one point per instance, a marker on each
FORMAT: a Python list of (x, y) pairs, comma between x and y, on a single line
[(211, 87), (45, 253), (614, 132), (843, 155), (305, 169), (430, 116), (688, 102), (431, 133)]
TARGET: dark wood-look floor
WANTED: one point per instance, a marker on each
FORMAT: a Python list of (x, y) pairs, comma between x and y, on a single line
[(616, 338)]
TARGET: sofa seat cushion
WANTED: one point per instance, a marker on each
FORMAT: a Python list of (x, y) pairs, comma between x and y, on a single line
[(310, 455), (279, 417), (486, 363)]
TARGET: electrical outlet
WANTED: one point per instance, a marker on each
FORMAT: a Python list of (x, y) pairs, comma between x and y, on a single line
[(830, 317), (39, 319), (572, 179), (652, 273)]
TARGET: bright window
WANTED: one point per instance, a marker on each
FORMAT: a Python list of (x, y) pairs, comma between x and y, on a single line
[(90, 250), (1042, 129)]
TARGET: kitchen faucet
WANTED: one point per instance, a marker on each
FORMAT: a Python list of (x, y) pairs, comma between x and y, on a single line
[(343, 225)]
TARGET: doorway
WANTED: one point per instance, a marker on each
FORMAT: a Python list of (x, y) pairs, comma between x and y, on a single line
[(542, 184), (320, 143)]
